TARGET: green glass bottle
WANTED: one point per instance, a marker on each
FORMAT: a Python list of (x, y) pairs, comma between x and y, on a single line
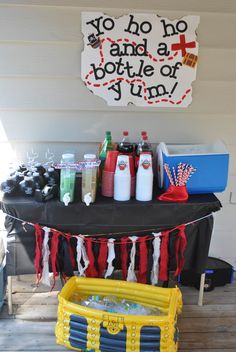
[(106, 145)]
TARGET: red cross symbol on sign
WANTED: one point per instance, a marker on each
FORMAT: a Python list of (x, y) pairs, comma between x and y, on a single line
[(182, 45)]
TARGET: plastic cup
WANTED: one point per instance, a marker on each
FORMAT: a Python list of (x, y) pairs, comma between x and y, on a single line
[(108, 183), (110, 162), (131, 166)]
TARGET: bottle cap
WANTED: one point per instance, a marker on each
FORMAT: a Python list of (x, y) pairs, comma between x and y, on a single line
[(108, 133), (143, 133), (89, 156), (125, 133)]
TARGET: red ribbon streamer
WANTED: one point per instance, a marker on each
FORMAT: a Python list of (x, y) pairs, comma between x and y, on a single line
[(180, 246), (143, 260), (53, 254), (102, 257), (91, 270), (72, 258), (124, 257), (38, 251), (163, 271)]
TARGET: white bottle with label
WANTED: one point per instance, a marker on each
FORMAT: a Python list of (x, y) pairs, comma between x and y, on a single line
[(144, 178), (122, 179)]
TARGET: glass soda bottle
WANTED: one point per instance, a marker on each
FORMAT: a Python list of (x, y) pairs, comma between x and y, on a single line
[(125, 147), (106, 145), (144, 146), (143, 133)]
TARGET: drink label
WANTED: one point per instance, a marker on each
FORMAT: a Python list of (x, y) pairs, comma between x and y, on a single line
[(146, 164), (122, 165)]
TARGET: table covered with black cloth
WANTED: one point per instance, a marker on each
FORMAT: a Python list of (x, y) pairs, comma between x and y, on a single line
[(108, 217)]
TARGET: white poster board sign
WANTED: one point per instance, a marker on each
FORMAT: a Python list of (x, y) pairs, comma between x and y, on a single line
[(140, 58)]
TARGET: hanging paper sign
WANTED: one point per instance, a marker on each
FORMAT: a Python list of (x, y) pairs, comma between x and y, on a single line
[(142, 59)]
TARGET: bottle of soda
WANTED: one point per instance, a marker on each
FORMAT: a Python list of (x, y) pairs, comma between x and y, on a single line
[(149, 144), (143, 133), (125, 147), (106, 145), (144, 146)]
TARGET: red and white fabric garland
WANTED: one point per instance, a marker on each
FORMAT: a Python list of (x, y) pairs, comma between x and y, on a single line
[(91, 270), (131, 270), (101, 264), (102, 257), (81, 254), (111, 257), (143, 259), (156, 257), (38, 251), (46, 255)]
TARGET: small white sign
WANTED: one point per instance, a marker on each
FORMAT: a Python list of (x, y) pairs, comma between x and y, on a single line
[(138, 58)]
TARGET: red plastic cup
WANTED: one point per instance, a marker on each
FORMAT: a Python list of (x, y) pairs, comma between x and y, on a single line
[(133, 176), (108, 183), (131, 166), (111, 159)]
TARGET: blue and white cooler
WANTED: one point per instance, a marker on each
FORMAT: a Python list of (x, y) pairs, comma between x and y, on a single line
[(211, 162)]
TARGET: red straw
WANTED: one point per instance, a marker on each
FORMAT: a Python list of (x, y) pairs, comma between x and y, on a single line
[(167, 169)]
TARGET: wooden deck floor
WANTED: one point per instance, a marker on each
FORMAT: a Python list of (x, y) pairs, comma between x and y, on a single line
[(211, 328)]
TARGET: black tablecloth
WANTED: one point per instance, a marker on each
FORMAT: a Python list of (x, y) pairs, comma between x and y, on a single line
[(107, 216)]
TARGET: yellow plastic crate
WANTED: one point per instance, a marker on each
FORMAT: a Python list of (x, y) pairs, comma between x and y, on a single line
[(86, 329)]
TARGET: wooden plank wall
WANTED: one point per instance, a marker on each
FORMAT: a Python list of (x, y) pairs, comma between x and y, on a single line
[(43, 101)]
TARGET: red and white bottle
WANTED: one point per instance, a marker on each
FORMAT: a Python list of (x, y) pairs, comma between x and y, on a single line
[(144, 178), (144, 145), (125, 147), (122, 179)]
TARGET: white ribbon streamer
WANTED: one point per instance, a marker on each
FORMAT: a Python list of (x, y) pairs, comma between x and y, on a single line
[(81, 253), (46, 254), (156, 255), (131, 273), (110, 257)]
